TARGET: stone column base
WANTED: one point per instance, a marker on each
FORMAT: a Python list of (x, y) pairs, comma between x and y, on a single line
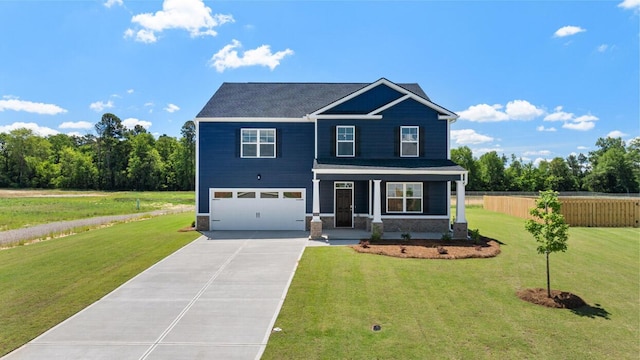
[(316, 230), (460, 231), (377, 226), (202, 223)]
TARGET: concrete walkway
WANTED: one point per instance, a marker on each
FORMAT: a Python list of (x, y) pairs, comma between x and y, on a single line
[(216, 298)]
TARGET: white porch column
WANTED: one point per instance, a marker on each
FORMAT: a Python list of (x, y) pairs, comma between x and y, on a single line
[(460, 215), (316, 200), (377, 212), (316, 224)]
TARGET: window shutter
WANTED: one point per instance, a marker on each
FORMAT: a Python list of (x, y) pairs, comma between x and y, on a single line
[(278, 143), (356, 133), (333, 141), (421, 142), (396, 141), (238, 142)]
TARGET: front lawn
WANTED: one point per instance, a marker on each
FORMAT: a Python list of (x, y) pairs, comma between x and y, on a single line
[(46, 282), (465, 309)]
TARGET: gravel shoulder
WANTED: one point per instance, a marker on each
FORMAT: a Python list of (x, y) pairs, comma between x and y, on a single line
[(42, 230)]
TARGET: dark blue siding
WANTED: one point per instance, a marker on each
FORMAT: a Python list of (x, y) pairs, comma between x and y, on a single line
[(379, 139), (220, 164), (367, 102)]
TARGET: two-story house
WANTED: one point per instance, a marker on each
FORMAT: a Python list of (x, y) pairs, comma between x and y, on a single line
[(314, 156)]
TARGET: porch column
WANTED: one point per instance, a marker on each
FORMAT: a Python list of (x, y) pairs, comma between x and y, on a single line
[(460, 230), (460, 216), (377, 212), (316, 223)]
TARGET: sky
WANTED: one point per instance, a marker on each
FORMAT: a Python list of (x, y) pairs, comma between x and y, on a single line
[(538, 79)]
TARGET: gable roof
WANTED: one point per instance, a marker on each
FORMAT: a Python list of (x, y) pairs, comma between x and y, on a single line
[(282, 100)]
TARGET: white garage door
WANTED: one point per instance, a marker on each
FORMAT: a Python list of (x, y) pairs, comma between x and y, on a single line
[(257, 209)]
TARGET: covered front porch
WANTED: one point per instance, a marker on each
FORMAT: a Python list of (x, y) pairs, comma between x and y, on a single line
[(422, 206)]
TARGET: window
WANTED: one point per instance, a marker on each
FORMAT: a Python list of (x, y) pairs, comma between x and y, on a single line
[(246, 195), (404, 197), (409, 141), (269, 195), (222, 195), (292, 195), (258, 143), (345, 141)]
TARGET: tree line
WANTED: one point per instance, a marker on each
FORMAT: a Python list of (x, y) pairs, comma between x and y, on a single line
[(116, 158), (614, 167)]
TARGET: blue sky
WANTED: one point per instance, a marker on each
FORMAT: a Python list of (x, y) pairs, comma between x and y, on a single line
[(538, 79)]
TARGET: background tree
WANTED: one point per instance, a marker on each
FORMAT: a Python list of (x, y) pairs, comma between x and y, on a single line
[(184, 159), (548, 227), (110, 131), (613, 168), (463, 157), (491, 169)]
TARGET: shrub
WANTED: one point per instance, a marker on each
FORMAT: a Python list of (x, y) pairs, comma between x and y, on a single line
[(375, 233), (446, 236), (406, 236)]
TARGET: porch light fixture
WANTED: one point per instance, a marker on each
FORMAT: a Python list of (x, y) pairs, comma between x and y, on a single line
[(259, 176)]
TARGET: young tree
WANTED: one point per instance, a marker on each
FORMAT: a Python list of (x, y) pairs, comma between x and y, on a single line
[(548, 227)]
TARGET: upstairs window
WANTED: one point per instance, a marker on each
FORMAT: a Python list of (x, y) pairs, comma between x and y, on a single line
[(345, 141), (409, 140), (258, 143)]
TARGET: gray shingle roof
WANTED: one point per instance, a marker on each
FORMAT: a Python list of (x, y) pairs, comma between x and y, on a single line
[(280, 100)]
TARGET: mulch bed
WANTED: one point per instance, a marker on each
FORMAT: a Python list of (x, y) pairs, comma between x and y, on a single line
[(186, 229), (430, 249), (559, 299)]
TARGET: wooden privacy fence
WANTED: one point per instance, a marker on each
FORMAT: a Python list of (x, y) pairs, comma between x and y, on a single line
[(590, 212)]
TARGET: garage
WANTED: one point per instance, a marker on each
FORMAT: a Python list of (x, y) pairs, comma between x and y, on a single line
[(257, 209)]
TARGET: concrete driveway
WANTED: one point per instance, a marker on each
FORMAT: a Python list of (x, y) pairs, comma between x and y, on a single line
[(216, 298)]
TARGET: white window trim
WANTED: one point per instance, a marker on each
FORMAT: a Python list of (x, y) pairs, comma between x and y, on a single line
[(404, 198), (257, 143), (353, 142), (417, 142)]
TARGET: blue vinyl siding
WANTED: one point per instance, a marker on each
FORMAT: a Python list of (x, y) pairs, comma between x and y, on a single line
[(367, 102), (380, 139), (220, 164)]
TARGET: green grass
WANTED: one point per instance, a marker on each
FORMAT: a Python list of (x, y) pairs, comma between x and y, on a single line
[(26, 208), (44, 283), (465, 309)]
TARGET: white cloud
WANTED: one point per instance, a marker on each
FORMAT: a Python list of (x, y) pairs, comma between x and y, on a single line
[(110, 3), (582, 147), (101, 105), (537, 161), (76, 125), (130, 123), (469, 136), (585, 118), (568, 31), (483, 113), (580, 126), (559, 115), (630, 4), (37, 129), (617, 134), (522, 110), (227, 57), (542, 128), (602, 48), (130, 91), (481, 151), (171, 108), (537, 152), (15, 104), (190, 15), (515, 110)]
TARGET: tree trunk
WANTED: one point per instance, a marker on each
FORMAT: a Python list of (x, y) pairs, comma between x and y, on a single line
[(548, 278)]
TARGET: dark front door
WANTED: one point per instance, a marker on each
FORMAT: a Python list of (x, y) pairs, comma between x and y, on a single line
[(344, 208)]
